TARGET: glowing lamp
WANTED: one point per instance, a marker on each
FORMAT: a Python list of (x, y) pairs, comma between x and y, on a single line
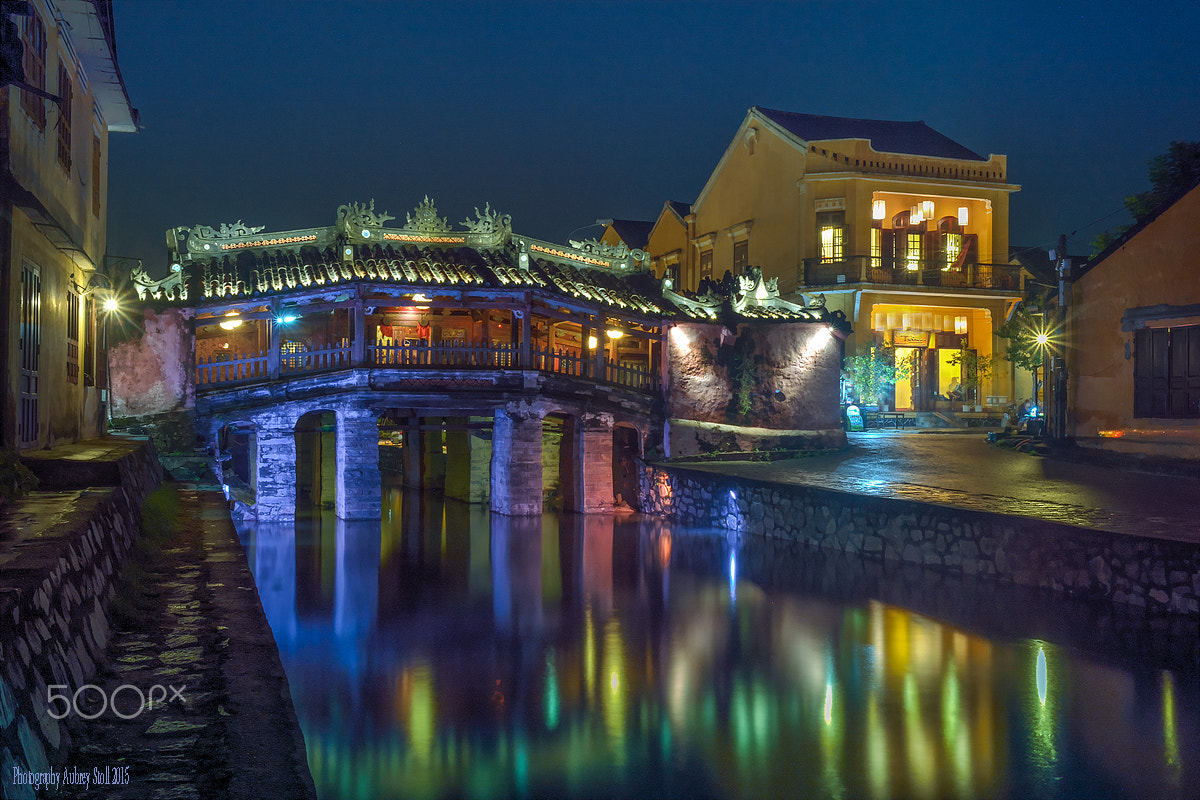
[(937, 323), (878, 209), (176, 268), (680, 337), (926, 320), (592, 342), (908, 320), (110, 304), (614, 334), (879, 322), (926, 209), (1042, 339), (914, 215), (230, 324), (960, 324), (962, 215), (420, 297)]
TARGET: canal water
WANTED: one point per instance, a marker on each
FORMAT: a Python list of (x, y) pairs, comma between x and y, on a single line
[(444, 652)]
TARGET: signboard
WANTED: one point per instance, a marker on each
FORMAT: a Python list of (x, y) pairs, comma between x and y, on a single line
[(853, 418), (911, 338)]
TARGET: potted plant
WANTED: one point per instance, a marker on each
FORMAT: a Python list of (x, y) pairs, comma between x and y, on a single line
[(974, 369)]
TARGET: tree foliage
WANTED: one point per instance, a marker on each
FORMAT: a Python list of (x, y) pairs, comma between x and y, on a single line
[(974, 368), (1170, 174), (873, 373), (1021, 330)]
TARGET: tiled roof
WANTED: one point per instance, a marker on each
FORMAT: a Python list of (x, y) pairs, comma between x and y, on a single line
[(633, 232), (682, 209), (910, 138), (265, 272)]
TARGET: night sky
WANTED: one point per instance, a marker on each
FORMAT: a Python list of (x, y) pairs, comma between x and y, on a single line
[(560, 113)]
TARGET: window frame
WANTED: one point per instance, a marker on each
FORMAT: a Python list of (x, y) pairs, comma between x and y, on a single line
[(1166, 372), (34, 63), (66, 93)]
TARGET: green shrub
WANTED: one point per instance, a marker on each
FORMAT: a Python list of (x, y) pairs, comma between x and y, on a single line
[(16, 480)]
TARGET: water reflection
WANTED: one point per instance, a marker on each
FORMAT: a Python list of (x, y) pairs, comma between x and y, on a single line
[(451, 653)]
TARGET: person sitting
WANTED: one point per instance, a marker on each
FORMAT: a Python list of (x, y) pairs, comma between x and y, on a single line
[(955, 390)]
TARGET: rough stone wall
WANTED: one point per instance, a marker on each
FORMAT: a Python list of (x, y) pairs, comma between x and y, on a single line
[(1157, 574), (153, 373), (54, 593), (516, 481), (763, 386)]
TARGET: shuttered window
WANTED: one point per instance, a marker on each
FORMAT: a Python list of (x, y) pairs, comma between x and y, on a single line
[(1167, 372)]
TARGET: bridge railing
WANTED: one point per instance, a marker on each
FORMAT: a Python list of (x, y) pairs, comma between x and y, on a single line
[(333, 357), (442, 354), (223, 369), (449, 355), (561, 362), (634, 377)]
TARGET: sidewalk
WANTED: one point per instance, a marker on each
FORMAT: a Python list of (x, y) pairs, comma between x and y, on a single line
[(964, 471), (195, 625)]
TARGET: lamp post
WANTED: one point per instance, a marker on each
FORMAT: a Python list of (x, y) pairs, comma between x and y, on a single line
[(110, 307), (604, 223)]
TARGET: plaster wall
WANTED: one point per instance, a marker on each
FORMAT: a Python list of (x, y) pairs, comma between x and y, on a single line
[(67, 411), (757, 388), (1158, 265), (152, 374)]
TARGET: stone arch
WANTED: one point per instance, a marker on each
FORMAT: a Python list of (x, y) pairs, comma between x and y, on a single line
[(316, 459), (626, 450)]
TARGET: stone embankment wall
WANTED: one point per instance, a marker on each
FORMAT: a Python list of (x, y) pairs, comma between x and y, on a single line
[(60, 552), (1157, 574)]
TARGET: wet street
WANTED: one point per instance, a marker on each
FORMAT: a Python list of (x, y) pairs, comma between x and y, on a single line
[(964, 471)]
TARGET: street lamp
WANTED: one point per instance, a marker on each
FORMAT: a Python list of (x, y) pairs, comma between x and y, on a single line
[(604, 223), (111, 306)]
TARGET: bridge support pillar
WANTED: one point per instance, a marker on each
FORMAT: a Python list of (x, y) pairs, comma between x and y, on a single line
[(516, 474), (458, 459), (595, 464), (275, 474), (433, 460), (412, 453), (358, 480)]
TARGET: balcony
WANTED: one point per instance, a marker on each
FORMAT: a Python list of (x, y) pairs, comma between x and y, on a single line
[(885, 271)]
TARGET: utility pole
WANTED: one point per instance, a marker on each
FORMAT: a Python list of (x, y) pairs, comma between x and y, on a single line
[(1058, 429)]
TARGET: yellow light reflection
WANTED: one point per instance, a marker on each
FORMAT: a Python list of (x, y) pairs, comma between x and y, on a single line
[(589, 654), (1170, 737), (614, 700)]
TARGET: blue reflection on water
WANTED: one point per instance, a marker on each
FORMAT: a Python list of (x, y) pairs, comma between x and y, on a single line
[(453, 653)]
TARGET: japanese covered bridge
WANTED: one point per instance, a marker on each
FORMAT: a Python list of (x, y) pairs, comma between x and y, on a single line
[(492, 366)]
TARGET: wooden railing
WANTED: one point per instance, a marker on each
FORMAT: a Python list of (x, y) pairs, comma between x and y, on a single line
[(334, 357), (221, 369), (441, 355)]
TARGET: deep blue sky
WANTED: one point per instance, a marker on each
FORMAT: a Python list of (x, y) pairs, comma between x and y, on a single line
[(559, 113)]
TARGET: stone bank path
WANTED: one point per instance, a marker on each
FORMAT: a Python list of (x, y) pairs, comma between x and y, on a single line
[(235, 734)]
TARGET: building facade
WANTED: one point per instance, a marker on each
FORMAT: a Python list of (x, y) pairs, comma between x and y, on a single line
[(53, 200), (900, 228), (1133, 339)]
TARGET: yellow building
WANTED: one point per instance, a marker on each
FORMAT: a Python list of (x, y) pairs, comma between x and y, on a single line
[(1133, 339), (53, 201), (901, 228)]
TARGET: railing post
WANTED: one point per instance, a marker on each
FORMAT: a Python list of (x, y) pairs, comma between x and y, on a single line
[(274, 343), (525, 360), (358, 344)]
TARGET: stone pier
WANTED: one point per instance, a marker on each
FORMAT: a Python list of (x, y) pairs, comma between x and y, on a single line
[(516, 481)]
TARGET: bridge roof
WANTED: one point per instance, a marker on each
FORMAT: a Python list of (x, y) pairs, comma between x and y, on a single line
[(239, 263)]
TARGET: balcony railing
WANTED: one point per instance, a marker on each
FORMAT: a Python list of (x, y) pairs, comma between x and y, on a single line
[(869, 269), (442, 355)]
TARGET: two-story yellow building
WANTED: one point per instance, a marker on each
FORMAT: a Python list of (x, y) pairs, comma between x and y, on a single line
[(901, 228), (53, 200)]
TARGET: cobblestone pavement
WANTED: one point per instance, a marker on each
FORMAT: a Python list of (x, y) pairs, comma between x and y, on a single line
[(219, 688), (964, 471)]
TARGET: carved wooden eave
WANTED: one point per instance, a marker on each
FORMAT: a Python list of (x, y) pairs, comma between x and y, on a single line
[(749, 296)]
